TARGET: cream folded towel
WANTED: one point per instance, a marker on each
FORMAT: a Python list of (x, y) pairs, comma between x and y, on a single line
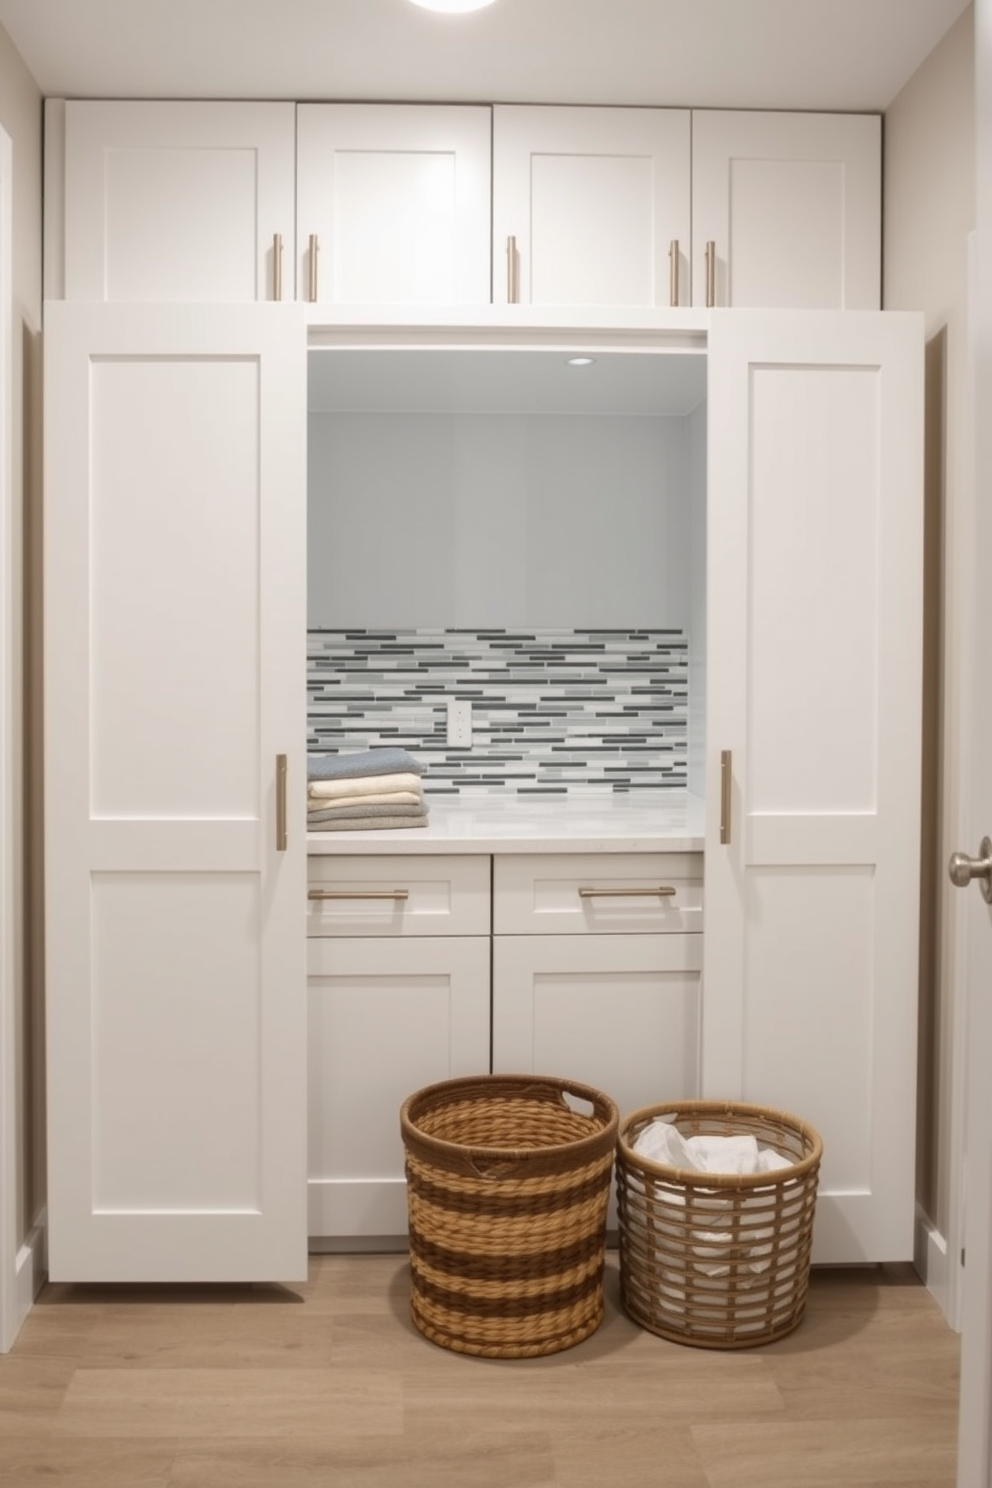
[(368, 785), (377, 798)]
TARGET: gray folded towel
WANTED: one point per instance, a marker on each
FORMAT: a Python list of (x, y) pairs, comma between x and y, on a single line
[(368, 823), (386, 761), (341, 813)]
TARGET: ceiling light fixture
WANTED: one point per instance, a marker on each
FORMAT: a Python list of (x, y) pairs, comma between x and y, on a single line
[(581, 361), (451, 7)]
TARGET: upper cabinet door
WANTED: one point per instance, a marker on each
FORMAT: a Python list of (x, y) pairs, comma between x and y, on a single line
[(175, 535), (393, 204), (174, 201), (814, 646), (591, 206), (791, 204)]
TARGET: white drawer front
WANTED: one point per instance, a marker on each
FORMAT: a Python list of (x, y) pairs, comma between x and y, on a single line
[(597, 894), (395, 896)]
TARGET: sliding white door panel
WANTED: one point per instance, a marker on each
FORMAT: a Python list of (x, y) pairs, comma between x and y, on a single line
[(175, 864), (813, 720)]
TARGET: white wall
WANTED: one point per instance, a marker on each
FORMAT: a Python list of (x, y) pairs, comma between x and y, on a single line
[(470, 520), (929, 211)]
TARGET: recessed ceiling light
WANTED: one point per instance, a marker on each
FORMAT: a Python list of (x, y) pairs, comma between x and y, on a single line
[(451, 6), (581, 361)]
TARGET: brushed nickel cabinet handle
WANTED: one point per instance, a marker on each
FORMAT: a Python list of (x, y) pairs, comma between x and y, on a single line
[(665, 891), (358, 894), (726, 780), (312, 252), (673, 278), (710, 274), (277, 266), (512, 278), (282, 835)]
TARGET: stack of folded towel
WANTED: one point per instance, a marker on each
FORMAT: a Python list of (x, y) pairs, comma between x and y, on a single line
[(364, 791)]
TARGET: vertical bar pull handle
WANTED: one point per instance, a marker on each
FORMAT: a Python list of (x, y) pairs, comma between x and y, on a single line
[(512, 285), (710, 274), (314, 249), (277, 266), (726, 779), (282, 835), (673, 278)]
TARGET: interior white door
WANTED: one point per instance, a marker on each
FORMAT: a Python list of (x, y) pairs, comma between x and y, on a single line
[(175, 901), (792, 206), (393, 203), (591, 206), (177, 201), (813, 724), (975, 1432)]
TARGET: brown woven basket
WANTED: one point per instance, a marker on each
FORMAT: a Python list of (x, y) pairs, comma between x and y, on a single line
[(714, 1260), (507, 1191)]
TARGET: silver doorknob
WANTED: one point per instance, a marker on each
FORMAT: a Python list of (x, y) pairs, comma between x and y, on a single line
[(963, 869)]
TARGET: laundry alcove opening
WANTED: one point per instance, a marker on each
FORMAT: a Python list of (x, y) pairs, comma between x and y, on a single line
[(506, 524)]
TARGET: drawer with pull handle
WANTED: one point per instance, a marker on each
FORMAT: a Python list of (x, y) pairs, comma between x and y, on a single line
[(597, 893), (396, 896)]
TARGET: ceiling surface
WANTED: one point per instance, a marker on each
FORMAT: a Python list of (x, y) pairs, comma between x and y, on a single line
[(504, 381), (790, 54)]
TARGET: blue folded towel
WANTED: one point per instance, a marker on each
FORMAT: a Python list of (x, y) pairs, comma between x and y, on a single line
[(386, 761), (369, 824)]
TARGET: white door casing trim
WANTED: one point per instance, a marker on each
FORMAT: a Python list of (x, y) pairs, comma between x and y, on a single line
[(11, 1313)]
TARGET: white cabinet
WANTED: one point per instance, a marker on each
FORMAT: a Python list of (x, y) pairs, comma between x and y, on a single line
[(175, 536), (398, 975), (454, 204), (813, 724), (791, 204), (152, 201), (620, 1012), (393, 204), (618, 206), (596, 970), (591, 206)]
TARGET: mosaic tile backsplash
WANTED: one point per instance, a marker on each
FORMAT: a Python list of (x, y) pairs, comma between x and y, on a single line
[(553, 712)]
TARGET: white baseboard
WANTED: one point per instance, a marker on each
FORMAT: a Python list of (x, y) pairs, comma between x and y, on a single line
[(931, 1260), (30, 1271)]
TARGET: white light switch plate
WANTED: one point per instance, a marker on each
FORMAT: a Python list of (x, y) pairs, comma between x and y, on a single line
[(459, 723)]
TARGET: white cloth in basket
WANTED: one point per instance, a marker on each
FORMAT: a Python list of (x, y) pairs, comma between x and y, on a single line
[(662, 1142), (737, 1154)]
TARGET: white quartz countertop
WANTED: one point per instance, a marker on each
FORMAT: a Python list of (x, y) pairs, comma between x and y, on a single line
[(654, 821)]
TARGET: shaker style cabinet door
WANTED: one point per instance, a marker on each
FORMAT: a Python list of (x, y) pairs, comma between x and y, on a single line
[(591, 206), (786, 210), (386, 1018), (620, 1012), (185, 201), (617, 1012), (815, 541), (393, 204), (175, 859)]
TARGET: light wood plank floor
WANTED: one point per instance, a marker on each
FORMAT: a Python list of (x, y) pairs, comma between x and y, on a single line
[(328, 1383)]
